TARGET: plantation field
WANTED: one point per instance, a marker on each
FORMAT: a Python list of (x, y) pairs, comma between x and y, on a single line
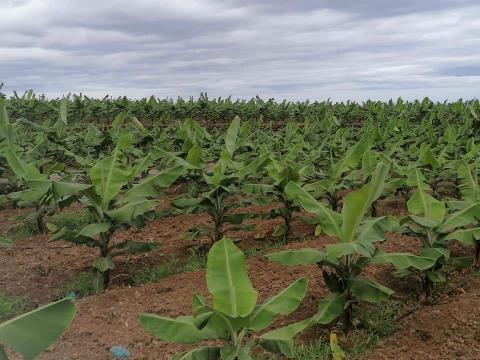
[(300, 230)]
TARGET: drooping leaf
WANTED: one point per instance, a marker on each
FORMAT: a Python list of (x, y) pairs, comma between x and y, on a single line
[(22, 169), (31, 333), (403, 261), (92, 230), (462, 218), (305, 256), (149, 187), (329, 308), (369, 290), (330, 220), (280, 341), (129, 212), (180, 330), (281, 304)]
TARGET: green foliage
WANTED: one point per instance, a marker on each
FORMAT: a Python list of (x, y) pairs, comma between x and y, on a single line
[(114, 205), (319, 350), (217, 184), (11, 306), (196, 260), (157, 272), (82, 285), (342, 263), (71, 220), (234, 313), (31, 333), (436, 225)]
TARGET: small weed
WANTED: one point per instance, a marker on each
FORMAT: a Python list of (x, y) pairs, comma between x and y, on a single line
[(319, 350), (11, 306), (196, 261), (82, 285), (380, 320), (26, 229), (155, 273), (72, 220), (361, 342)]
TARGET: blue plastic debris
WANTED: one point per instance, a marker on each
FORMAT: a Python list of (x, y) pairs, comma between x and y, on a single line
[(72, 295), (119, 352)]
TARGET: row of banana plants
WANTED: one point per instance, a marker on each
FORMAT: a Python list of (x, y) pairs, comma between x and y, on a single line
[(235, 318), (217, 110)]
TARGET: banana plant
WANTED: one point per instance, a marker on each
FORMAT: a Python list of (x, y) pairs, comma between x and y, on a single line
[(333, 182), (217, 185), (114, 205), (43, 192), (32, 333), (435, 224), (342, 263), (234, 317), (280, 173)]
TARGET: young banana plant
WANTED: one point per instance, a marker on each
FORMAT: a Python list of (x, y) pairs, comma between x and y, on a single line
[(234, 317), (217, 185), (435, 224), (113, 205), (342, 263), (45, 194), (330, 186), (279, 175)]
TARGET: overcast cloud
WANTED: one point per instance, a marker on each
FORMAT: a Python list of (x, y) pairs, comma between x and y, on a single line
[(274, 48)]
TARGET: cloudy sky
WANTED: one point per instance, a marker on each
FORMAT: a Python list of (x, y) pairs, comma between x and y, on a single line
[(336, 49)]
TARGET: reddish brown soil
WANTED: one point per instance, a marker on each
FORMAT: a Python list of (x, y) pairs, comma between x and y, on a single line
[(450, 330), (35, 268)]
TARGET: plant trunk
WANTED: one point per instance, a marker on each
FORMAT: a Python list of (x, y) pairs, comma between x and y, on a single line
[(348, 318), (39, 223), (106, 278), (477, 253), (217, 232), (104, 252), (218, 218), (456, 184), (333, 200), (428, 287), (287, 219), (374, 209)]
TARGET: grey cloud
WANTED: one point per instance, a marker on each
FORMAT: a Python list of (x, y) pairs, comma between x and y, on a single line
[(283, 49)]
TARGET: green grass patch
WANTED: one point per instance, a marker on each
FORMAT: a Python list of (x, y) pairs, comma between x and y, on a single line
[(380, 320), (82, 285), (11, 306), (72, 220), (24, 230), (319, 350), (197, 260), (155, 273)]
